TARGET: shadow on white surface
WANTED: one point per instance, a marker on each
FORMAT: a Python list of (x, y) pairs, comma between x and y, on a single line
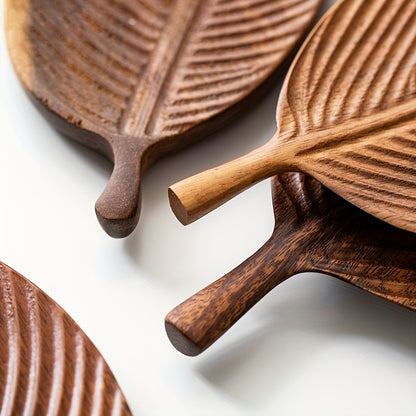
[(292, 333)]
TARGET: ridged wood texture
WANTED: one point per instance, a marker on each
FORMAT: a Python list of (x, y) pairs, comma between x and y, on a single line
[(48, 366), (346, 116), (315, 231), (135, 79)]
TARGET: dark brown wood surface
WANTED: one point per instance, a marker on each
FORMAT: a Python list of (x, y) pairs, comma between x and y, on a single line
[(48, 365), (315, 231), (346, 116), (137, 79)]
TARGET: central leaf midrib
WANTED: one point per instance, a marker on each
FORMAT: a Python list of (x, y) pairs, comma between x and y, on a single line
[(141, 105), (355, 129)]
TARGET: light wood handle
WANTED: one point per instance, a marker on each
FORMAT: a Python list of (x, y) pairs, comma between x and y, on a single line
[(194, 197), (199, 321)]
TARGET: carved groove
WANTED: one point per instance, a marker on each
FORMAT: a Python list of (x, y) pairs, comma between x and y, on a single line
[(382, 164), (49, 358)]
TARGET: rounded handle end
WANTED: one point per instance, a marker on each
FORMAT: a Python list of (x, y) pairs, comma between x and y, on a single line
[(178, 208), (180, 341), (118, 208), (196, 196), (116, 225)]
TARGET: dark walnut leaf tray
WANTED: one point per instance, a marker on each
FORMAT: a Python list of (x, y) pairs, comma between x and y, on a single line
[(48, 365), (315, 231), (135, 80)]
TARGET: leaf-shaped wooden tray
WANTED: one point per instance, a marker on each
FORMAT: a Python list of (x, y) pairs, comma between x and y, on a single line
[(346, 116), (49, 366), (137, 79), (315, 231)]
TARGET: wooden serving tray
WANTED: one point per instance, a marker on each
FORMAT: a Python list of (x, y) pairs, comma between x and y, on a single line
[(136, 79), (315, 231)]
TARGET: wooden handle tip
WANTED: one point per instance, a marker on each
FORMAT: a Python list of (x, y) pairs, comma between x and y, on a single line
[(117, 224), (178, 208), (180, 341)]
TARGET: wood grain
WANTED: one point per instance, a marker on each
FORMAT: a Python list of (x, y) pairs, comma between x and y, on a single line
[(315, 231), (346, 116), (48, 365), (135, 80)]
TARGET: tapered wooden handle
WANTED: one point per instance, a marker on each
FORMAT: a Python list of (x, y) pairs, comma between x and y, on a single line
[(194, 197), (118, 208), (199, 321)]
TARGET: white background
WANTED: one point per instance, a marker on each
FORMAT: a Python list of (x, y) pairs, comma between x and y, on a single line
[(314, 346)]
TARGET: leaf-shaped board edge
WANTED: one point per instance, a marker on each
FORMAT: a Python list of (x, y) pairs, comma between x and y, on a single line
[(315, 231), (136, 80), (49, 366)]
